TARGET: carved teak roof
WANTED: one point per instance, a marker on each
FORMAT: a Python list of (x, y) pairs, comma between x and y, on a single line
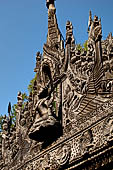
[(67, 121)]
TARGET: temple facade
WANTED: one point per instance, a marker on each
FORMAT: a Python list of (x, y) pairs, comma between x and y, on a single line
[(67, 121)]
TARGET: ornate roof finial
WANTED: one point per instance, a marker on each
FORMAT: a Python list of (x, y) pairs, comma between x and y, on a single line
[(50, 4), (90, 15), (90, 20), (9, 108)]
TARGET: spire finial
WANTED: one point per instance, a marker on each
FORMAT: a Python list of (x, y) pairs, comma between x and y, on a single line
[(9, 108), (90, 20), (50, 4)]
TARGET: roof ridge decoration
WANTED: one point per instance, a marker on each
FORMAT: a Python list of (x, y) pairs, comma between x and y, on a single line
[(67, 120)]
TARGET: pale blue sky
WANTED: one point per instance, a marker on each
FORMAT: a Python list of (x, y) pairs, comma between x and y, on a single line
[(23, 30)]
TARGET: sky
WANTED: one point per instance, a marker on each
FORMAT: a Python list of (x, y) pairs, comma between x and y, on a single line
[(23, 31)]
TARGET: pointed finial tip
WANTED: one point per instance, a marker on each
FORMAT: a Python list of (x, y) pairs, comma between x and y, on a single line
[(90, 13), (9, 107), (50, 2)]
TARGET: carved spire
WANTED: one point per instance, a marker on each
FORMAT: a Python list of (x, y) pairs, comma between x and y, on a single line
[(54, 35), (94, 39), (69, 33)]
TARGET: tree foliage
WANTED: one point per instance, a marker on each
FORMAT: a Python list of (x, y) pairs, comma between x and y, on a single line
[(30, 86), (83, 47), (79, 47)]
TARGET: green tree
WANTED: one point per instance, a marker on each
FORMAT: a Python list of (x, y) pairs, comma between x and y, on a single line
[(79, 47), (85, 45), (30, 86), (24, 97), (82, 47)]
